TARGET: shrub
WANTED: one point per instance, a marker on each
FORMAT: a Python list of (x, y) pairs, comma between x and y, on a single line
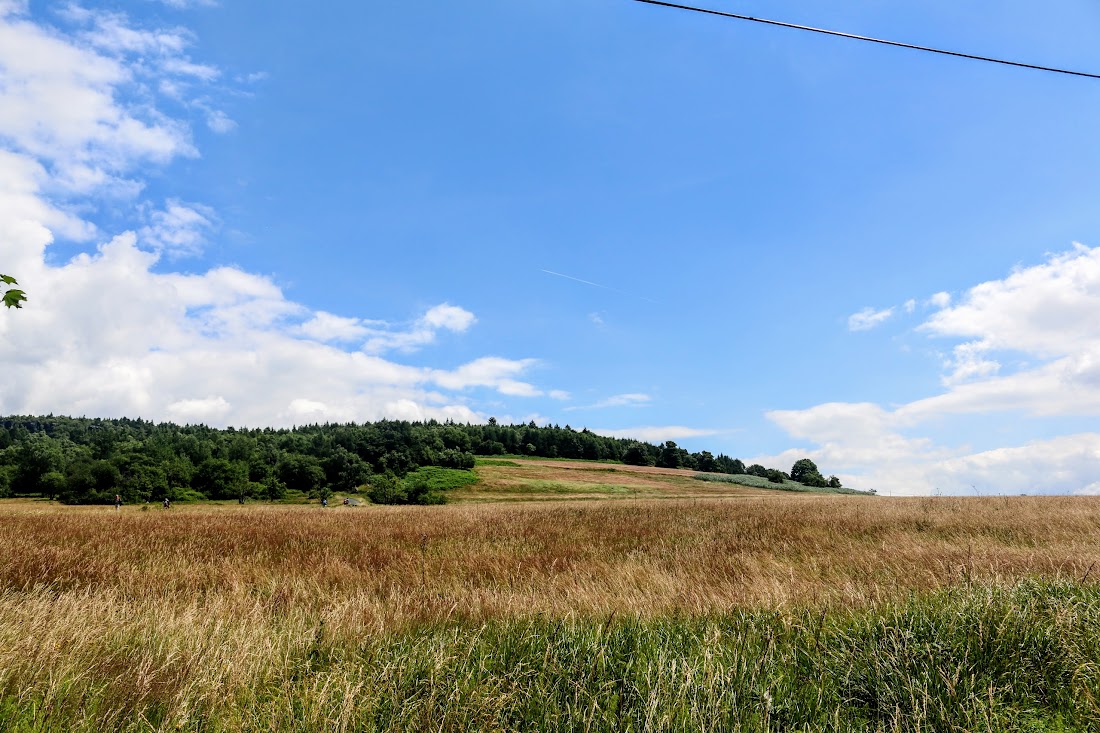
[(384, 488)]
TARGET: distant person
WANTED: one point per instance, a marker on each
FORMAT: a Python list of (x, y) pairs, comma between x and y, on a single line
[(118, 503), (324, 503), (167, 503), (347, 501)]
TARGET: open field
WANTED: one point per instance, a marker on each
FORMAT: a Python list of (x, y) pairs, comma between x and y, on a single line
[(547, 480), (753, 613)]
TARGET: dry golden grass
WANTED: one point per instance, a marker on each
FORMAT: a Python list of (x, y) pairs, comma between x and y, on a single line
[(179, 611), (540, 480), (377, 567)]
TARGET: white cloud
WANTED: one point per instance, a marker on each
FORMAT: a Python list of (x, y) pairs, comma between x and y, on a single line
[(1030, 347), (183, 67), (13, 7), (328, 327), (199, 410), (58, 105), (219, 122), (186, 4), (968, 364), (596, 319), (1043, 310), (488, 371), (448, 317), (910, 305), (1048, 315), (633, 399), (868, 318), (178, 229), (109, 332), (444, 317), (939, 300), (656, 433), (1092, 489)]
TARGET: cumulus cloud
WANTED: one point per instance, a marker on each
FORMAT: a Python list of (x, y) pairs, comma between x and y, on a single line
[(1030, 347), (868, 318), (110, 332), (939, 300), (443, 317), (1043, 310), (58, 106), (489, 371)]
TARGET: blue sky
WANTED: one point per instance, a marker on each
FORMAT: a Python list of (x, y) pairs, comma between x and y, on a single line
[(648, 222)]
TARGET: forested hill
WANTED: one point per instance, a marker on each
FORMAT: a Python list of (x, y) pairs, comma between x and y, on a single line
[(81, 460)]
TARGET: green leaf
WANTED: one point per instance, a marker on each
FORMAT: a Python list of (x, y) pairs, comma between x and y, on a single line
[(14, 299), (8, 280)]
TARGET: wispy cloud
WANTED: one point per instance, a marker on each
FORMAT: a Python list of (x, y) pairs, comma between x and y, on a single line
[(179, 229), (657, 433), (633, 399), (220, 122), (868, 318)]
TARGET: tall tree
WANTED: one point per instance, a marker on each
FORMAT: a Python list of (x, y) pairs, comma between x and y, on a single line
[(804, 471)]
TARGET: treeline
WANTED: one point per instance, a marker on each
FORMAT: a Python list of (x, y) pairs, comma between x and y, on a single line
[(85, 460)]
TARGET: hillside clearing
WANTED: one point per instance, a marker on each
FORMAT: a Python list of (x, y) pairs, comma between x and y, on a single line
[(520, 479)]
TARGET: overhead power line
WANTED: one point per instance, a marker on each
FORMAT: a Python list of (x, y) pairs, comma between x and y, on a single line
[(869, 39)]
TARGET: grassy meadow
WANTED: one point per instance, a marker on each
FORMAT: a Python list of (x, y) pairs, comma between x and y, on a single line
[(688, 607)]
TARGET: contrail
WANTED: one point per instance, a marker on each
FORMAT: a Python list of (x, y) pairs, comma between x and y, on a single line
[(597, 285)]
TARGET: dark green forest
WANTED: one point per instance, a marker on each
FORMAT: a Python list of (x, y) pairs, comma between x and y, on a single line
[(90, 460)]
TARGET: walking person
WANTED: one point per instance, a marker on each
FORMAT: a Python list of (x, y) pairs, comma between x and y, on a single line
[(118, 503)]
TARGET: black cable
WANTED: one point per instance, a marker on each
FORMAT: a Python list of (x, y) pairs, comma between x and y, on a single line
[(867, 38)]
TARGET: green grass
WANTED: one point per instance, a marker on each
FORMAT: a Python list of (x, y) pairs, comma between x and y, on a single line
[(989, 659), (759, 482), (442, 479), (494, 462)]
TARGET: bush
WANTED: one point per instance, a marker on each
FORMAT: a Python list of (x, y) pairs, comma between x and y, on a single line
[(185, 495), (384, 488)]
